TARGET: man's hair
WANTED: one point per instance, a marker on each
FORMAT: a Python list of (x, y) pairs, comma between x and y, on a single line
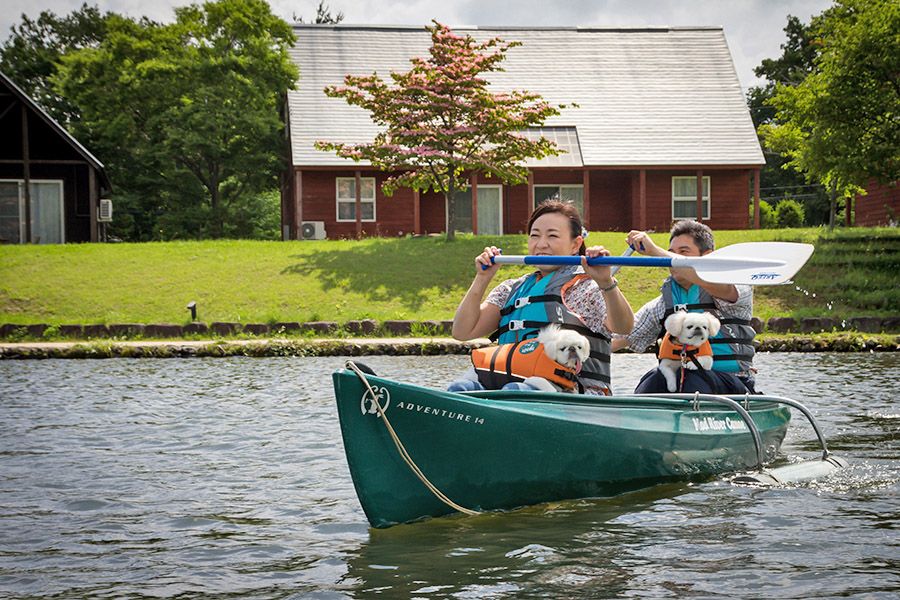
[(700, 233)]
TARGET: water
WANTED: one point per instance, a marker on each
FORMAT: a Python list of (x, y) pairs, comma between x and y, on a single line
[(225, 478)]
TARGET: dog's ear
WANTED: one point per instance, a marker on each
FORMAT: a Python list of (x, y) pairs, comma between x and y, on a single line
[(548, 338), (714, 324), (675, 322)]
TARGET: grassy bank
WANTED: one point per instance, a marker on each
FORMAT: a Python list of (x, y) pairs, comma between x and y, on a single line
[(852, 273)]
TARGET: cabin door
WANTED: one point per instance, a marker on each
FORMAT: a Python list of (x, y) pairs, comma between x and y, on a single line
[(490, 210)]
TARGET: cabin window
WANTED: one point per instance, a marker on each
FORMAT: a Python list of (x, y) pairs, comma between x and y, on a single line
[(490, 210), (47, 212), (684, 198), (346, 198), (565, 193)]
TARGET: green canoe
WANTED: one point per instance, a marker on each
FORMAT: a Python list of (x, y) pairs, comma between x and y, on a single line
[(493, 450)]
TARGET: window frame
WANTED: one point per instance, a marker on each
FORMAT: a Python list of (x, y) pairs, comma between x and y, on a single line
[(559, 187), (498, 187), (352, 201), (707, 197), (20, 185)]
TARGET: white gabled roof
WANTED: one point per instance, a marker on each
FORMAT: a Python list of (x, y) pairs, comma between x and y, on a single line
[(646, 97)]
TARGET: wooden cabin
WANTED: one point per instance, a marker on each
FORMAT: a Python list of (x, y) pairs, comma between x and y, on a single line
[(879, 207), (50, 185), (661, 133)]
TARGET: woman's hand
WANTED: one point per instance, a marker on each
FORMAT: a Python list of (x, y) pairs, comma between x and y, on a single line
[(484, 260), (602, 274)]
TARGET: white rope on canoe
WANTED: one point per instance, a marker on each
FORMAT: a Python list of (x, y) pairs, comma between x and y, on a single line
[(403, 453)]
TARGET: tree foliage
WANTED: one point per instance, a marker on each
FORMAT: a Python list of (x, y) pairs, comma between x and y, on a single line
[(186, 115), (791, 68), (841, 124), (323, 15), (30, 56), (439, 121)]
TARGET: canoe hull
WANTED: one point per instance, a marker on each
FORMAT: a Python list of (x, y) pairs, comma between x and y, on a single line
[(501, 450)]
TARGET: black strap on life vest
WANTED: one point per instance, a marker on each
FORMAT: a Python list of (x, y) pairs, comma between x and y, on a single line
[(702, 372), (531, 300), (582, 329)]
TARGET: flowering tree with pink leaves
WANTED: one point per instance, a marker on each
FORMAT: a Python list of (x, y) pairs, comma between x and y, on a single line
[(439, 123)]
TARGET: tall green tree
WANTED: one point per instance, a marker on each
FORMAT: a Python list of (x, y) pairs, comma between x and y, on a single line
[(841, 124), (440, 122), (796, 62), (323, 15), (31, 54), (186, 115)]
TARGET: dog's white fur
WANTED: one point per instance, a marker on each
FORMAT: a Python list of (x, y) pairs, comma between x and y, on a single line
[(693, 329), (567, 347)]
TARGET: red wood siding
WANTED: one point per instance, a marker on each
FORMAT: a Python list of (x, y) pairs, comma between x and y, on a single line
[(879, 206), (729, 197), (610, 193), (613, 201)]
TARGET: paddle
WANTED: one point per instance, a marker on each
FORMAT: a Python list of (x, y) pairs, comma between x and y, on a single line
[(753, 263), (628, 252)]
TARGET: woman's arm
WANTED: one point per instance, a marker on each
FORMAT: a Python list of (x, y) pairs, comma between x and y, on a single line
[(619, 316), (475, 318)]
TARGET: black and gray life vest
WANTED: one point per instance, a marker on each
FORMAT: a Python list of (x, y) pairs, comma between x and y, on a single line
[(733, 346)]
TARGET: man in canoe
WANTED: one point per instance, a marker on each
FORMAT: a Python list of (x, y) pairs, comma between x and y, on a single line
[(732, 347), (584, 298)]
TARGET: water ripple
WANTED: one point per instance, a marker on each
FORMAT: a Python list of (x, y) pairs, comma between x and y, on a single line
[(226, 478)]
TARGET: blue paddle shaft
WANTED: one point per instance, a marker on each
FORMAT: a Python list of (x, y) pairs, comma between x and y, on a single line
[(637, 261)]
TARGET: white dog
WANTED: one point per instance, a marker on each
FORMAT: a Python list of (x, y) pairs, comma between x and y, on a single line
[(692, 330), (568, 348), (565, 346)]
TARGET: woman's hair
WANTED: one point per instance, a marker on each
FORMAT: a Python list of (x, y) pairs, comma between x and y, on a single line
[(700, 233), (567, 210)]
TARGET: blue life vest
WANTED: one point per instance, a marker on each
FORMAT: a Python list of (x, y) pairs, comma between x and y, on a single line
[(733, 346), (534, 303)]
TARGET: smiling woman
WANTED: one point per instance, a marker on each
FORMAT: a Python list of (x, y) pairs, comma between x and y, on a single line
[(582, 298)]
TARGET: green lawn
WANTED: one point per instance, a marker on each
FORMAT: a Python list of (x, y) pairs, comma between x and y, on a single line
[(852, 273)]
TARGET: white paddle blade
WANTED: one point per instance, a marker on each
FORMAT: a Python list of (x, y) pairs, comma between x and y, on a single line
[(751, 263)]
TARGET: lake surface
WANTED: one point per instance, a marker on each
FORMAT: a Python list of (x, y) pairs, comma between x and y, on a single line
[(225, 478)]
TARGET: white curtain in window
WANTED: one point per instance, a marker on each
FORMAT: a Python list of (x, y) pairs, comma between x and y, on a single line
[(46, 213), (489, 211)]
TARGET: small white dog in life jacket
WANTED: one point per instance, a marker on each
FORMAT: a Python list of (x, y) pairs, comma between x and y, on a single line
[(550, 363), (687, 336)]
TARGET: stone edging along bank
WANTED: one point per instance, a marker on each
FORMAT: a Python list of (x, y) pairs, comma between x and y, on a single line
[(105, 341), (371, 327), (368, 347)]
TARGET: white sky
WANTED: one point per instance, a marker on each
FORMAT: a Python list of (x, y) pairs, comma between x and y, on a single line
[(753, 28)]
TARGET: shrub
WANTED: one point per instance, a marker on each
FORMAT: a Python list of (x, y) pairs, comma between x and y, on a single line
[(766, 215), (789, 213)]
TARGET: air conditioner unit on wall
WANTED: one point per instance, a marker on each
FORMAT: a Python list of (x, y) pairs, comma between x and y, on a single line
[(312, 230), (104, 211)]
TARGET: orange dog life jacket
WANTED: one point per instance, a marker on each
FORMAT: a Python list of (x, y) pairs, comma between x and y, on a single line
[(672, 350), (496, 366)]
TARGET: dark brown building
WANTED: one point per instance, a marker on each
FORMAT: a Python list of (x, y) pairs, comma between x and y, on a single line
[(50, 185)]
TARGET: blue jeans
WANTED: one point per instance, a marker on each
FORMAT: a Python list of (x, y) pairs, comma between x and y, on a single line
[(467, 385)]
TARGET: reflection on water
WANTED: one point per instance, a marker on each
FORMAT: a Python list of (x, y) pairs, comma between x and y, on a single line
[(226, 478)]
